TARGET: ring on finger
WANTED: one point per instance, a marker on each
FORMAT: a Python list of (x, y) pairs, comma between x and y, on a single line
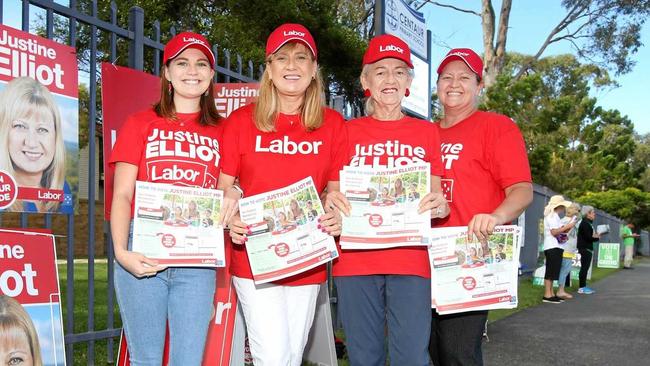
[(438, 211)]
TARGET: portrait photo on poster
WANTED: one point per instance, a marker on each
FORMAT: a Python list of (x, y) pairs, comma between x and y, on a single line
[(28, 334), (39, 156)]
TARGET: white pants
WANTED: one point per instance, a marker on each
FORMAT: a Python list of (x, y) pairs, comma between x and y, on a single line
[(278, 319), (629, 254)]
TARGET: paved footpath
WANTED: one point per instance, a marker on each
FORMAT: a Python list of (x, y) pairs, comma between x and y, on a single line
[(610, 327)]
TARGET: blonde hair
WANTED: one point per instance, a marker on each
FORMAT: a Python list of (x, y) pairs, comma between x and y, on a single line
[(267, 107), (25, 97), (573, 209), (369, 105), (14, 320)]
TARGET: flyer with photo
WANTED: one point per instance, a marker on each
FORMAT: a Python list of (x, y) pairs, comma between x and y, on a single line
[(470, 275), (31, 325), (384, 204), (285, 238), (177, 225)]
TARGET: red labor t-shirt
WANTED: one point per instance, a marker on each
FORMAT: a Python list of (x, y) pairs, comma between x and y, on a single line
[(481, 156), (181, 152), (265, 161), (389, 143)]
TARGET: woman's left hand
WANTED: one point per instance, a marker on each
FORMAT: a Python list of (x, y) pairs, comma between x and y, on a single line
[(230, 205), (336, 200), (436, 202), (330, 222), (482, 225)]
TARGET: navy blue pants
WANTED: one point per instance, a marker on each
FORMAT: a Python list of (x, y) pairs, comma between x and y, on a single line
[(376, 307), (456, 338)]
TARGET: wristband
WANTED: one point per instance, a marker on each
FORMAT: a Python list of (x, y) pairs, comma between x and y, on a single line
[(238, 189)]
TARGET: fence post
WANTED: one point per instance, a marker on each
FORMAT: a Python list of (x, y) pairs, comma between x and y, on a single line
[(136, 46)]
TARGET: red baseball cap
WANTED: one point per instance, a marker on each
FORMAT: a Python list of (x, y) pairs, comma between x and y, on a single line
[(387, 46), (185, 40), (469, 57), (290, 32)]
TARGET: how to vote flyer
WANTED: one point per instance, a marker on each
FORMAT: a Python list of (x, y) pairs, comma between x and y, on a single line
[(384, 204), (468, 275), (285, 238), (178, 225)]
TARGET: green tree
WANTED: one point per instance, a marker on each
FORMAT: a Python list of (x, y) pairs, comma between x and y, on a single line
[(240, 27), (84, 100), (630, 204), (604, 32), (640, 164), (573, 145)]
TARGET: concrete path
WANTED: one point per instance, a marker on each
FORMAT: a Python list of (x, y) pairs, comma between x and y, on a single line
[(610, 327)]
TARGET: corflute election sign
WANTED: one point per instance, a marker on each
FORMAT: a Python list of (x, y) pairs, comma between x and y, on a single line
[(39, 123)]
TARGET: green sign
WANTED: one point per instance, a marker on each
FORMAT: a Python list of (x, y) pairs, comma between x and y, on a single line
[(608, 255)]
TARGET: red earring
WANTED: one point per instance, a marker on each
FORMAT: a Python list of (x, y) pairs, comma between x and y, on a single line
[(169, 88), (407, 92), (366, 93)]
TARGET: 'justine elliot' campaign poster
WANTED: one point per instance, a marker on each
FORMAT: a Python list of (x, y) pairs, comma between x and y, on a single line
[(30, 305), (39, 124)]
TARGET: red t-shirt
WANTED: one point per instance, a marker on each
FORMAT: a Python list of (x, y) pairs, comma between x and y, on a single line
[(482, 156), (179, 152), (265, 161), (390, 143)]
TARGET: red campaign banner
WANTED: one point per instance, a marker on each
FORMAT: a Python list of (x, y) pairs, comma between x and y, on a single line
[(39, 113), (52, 64), (28, 272), (29, 276), (219, 344), (126, 91)]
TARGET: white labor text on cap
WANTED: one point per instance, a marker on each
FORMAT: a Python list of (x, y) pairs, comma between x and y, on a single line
[(390, 48)]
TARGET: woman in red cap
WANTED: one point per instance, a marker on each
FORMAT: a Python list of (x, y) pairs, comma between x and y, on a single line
[(487, 183), (150, 295), (389, 288), (289, 110)]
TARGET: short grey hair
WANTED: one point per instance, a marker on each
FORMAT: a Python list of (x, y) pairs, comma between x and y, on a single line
[(586, 209), (369, 106)]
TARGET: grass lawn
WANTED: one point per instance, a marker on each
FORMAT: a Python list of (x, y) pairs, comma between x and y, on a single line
[(529, 295), (81, 310)]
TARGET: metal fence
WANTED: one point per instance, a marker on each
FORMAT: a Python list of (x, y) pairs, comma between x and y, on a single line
[(66, 24)]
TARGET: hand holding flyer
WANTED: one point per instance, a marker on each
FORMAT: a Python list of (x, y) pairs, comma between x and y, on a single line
[(469, 275), (285, 239), (385, 206), (602, 229), (178, 226)]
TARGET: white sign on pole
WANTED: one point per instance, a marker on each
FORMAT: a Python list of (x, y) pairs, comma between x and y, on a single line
[(402, 21), (419, 101)]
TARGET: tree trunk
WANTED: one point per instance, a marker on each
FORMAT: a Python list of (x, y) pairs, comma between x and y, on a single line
[(494, 53)]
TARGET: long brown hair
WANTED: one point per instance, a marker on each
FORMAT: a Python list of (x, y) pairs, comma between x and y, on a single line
[(268, 105), (208, 115)]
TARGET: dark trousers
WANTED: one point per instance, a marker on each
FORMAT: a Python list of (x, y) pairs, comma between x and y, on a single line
[(456, 339), (585, 263), (375, 307)]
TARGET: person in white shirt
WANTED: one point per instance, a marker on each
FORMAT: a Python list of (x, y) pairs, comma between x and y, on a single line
[(553, 249), (570, 248)]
